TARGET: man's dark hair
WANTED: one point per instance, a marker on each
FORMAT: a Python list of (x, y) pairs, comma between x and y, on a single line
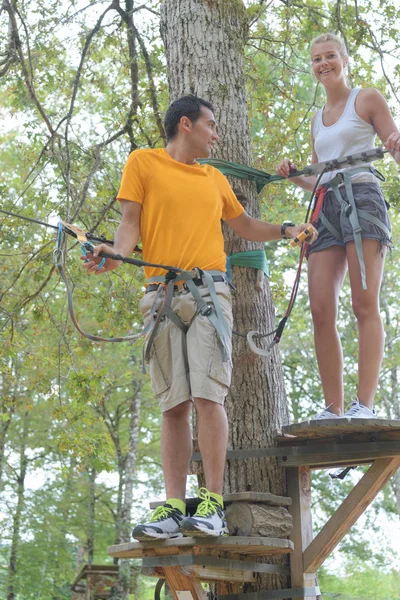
[(186, 106)]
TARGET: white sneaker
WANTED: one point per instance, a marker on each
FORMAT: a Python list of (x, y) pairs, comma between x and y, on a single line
[(164, 524), (209, 518), (325, 414), (360, 411)]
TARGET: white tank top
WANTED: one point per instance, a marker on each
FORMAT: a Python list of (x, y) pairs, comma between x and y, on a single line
[(349, 135)]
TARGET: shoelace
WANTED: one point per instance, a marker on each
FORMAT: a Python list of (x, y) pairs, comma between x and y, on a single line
[(326, 409), (161, 512), (207, 507), (355, 407)]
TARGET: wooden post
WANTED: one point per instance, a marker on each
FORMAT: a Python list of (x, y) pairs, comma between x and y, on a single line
[(180, 583), (299, 489)]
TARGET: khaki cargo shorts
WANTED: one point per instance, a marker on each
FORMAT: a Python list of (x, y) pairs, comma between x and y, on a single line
[(204, 375)]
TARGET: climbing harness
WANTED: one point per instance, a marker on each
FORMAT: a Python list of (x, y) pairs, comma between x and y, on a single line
[(162, 301), (161, 307), (349, 209)]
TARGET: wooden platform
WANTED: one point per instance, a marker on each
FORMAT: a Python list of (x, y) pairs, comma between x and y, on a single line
[(333, 443), (230, 561), (328, 428), (204, 546), (95, 581)]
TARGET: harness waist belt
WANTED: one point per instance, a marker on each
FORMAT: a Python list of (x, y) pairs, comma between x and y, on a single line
[(197, 281)]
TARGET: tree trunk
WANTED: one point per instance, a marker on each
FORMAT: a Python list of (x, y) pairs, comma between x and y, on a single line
[(23, 464), (92, 515), (126, 513), (204, 47)]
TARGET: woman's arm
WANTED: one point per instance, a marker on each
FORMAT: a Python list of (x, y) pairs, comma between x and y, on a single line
[(374, 109), (285, 166)]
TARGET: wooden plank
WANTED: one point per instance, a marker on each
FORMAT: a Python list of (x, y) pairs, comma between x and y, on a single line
[(178, 583), (348, 512), (336, 427), (263, 497), (223, 564), (237, 544), (343, 438), (299, 488), (207, 573), (332, 454)]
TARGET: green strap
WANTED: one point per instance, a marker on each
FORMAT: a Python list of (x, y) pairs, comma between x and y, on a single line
[(260, 178), (255, 259)]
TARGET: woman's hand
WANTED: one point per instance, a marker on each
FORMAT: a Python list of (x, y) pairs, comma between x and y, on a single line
[(285, 167), (393, 144)]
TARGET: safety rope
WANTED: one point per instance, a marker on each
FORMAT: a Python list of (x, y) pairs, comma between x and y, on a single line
[(261, 178)]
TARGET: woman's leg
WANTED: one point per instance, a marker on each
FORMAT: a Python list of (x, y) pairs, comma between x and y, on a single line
[(326, 271), (366, 309)]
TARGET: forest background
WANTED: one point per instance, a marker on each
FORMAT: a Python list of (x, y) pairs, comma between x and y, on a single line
[(82, 84)]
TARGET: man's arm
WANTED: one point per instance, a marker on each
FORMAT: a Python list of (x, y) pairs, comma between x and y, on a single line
[(125, 239), (258, 231)]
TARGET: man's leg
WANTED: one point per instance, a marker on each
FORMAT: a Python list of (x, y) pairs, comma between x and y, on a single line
[(213, 440), (176, 448)]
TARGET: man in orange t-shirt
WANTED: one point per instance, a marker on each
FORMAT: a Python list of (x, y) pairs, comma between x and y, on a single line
[(176, 206)]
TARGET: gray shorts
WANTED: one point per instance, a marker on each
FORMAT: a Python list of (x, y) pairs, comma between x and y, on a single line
[(368, 197), (204, 375)]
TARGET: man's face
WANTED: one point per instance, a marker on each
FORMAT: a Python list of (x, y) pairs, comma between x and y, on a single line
[(203, 134)]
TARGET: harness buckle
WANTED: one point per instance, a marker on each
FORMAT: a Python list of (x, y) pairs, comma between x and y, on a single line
[(347, 210), (206, 310)]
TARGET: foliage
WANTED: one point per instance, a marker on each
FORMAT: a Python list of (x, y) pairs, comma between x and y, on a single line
[(81, 85)]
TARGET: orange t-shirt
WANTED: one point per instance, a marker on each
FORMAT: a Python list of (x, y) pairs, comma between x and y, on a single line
[(182, 208)]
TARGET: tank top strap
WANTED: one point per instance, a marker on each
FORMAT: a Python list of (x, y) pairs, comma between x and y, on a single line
[(351, 102)]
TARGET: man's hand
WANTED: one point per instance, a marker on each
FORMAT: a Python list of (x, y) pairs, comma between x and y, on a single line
[(92, 260), (296, 232)]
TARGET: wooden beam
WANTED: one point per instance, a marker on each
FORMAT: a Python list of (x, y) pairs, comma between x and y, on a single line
[(348, 512), (335, 454), (236, 544), (299, 489)]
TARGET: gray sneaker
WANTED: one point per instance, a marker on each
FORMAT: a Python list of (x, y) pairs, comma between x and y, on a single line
[(164, 524), (359, 411), (325, 414), (209, 519)]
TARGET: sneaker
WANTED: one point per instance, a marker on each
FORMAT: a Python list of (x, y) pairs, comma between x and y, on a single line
[(325, 414), (360, 411), (209, 518), (164, 524)]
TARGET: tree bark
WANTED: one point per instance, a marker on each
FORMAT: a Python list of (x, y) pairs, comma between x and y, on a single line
[(92, 515), (126, 513), (204, 47), (252, 520)]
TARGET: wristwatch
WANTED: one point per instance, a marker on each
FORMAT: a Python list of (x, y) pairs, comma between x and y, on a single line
[(284, 225)]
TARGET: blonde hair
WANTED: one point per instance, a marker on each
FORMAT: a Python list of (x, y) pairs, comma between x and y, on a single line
[(329, 37)]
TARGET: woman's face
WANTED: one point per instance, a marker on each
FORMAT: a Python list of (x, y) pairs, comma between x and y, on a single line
[(327, 63)]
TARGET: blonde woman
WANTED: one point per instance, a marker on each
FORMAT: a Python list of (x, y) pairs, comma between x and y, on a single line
[(354, 228)]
